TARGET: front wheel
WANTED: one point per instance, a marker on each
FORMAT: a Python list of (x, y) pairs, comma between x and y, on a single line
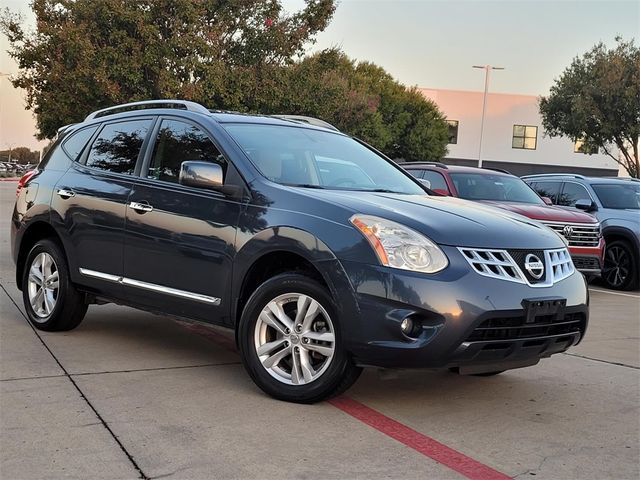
[(620, 270), (290, 341)]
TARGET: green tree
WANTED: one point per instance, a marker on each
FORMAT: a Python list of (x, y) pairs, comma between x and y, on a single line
[(363, 100), (87, 54), (597, 100)]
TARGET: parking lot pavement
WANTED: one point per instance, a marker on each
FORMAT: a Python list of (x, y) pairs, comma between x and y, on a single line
[(129, 394)]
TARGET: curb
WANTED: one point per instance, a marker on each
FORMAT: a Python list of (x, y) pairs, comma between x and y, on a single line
[(15, 179)]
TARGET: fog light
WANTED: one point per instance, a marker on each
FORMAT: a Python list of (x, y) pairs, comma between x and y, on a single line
[(407, 326)]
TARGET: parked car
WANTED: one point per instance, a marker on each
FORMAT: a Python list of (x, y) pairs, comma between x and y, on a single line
[(616, 204), (501, 189), (323, 255)]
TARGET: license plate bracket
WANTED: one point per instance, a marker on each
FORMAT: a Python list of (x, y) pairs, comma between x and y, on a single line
[(535, 307)]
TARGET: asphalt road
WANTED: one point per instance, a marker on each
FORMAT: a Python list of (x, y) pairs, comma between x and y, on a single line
[(133, 395)]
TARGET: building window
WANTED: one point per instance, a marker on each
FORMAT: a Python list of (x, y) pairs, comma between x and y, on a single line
[(579, 147), (525, 137), (453, 131)]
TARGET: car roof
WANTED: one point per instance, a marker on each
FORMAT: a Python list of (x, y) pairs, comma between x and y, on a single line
[(441, 167), (578, 178)]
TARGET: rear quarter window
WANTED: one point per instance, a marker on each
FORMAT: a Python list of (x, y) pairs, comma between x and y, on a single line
[(75, 143)]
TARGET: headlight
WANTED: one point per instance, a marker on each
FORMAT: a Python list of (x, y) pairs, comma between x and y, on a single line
[(398, 246)]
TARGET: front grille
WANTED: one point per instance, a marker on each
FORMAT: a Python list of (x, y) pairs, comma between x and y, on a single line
[(586, 263), (578, 234), (510, 264), (516, 328)]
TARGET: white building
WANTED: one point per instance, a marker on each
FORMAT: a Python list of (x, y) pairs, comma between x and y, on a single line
[(513, 137)]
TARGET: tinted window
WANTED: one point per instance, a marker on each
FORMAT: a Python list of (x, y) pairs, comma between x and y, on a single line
[(501, 188), (438, 183), (619, 196), (571, 193), (179, 142), (547, 189), (414, 172), (294, 156), (118, 145), (75, 143)]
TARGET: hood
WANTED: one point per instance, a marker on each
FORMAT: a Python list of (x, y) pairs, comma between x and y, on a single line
[(545, 213), (447, 220)]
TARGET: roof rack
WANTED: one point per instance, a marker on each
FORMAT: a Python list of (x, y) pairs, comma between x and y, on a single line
[(417, 164), (63, 129), (501, 170), (316, 122), (628, 179), (541, 175), (126, 107)]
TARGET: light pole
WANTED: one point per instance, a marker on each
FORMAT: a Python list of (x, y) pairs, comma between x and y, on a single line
[(487, 69)]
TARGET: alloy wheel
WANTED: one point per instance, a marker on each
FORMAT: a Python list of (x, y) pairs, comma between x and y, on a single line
[(43, 285), (617, 264), (294, 339)]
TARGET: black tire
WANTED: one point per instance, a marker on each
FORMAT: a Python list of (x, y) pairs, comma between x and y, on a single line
[(340, 372), (69, 308), (620, 271)]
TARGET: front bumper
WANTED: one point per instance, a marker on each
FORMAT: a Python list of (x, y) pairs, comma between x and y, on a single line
[(452, 308), (588, 260)]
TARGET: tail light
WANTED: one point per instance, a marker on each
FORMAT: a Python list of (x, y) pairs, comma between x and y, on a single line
[(24, 180)]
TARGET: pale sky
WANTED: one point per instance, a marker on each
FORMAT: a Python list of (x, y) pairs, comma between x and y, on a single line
[(428, 43)]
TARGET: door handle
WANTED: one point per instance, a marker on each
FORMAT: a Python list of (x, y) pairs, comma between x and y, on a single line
[(140, 207), (64, 193)]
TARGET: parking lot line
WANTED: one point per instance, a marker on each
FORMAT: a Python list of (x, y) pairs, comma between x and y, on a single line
[(614, 293), (423, 444)]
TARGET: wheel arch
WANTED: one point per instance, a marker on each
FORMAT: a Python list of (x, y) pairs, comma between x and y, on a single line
[(36, 231), (282, 249)]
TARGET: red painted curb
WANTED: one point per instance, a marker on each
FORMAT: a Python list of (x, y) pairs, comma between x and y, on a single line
[(423, 444)]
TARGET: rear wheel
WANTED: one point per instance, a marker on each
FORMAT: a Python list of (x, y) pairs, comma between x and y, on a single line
[(290, 341), (52, 303), (620, 270)]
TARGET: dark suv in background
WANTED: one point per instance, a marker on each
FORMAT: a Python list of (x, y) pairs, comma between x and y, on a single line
[(506, 191), (616, 204), (322, 254)]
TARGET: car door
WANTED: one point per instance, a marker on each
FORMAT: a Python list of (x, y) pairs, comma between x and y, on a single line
[(89, 201), (179, 241)]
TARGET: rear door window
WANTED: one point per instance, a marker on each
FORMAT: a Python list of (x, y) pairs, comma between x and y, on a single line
[(117, 146)]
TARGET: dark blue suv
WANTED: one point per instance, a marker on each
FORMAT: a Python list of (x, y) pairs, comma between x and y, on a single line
[(322, 254)]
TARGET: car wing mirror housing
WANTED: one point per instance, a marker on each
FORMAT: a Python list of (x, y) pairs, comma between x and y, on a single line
[(424, 182), (586, 205)]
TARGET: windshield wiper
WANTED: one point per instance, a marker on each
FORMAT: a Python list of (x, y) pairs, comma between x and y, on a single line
[(378, 190), (304, 185)]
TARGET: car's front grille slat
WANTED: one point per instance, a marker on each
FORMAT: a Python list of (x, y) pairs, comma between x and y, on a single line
[(516, 328), (581, 235)]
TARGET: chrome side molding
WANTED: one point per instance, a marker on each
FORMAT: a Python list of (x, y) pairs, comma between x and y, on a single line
[(130, 282)]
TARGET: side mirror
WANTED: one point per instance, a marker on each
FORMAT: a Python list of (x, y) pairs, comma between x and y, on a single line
[(586, 205), (201, 175), (547, 200), (424, 182)]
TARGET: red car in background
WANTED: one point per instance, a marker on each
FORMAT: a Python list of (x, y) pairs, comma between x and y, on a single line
[(506, 191)]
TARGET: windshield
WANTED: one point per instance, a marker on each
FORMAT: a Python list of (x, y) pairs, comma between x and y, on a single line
[(317, 159), (619, 196), (501, 188)]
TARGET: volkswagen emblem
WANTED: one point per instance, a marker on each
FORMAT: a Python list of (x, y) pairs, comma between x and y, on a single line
[(534, 266), (567, 231)]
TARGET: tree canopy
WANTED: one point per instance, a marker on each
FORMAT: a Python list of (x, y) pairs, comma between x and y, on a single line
[(242, 55), (596, 100)]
